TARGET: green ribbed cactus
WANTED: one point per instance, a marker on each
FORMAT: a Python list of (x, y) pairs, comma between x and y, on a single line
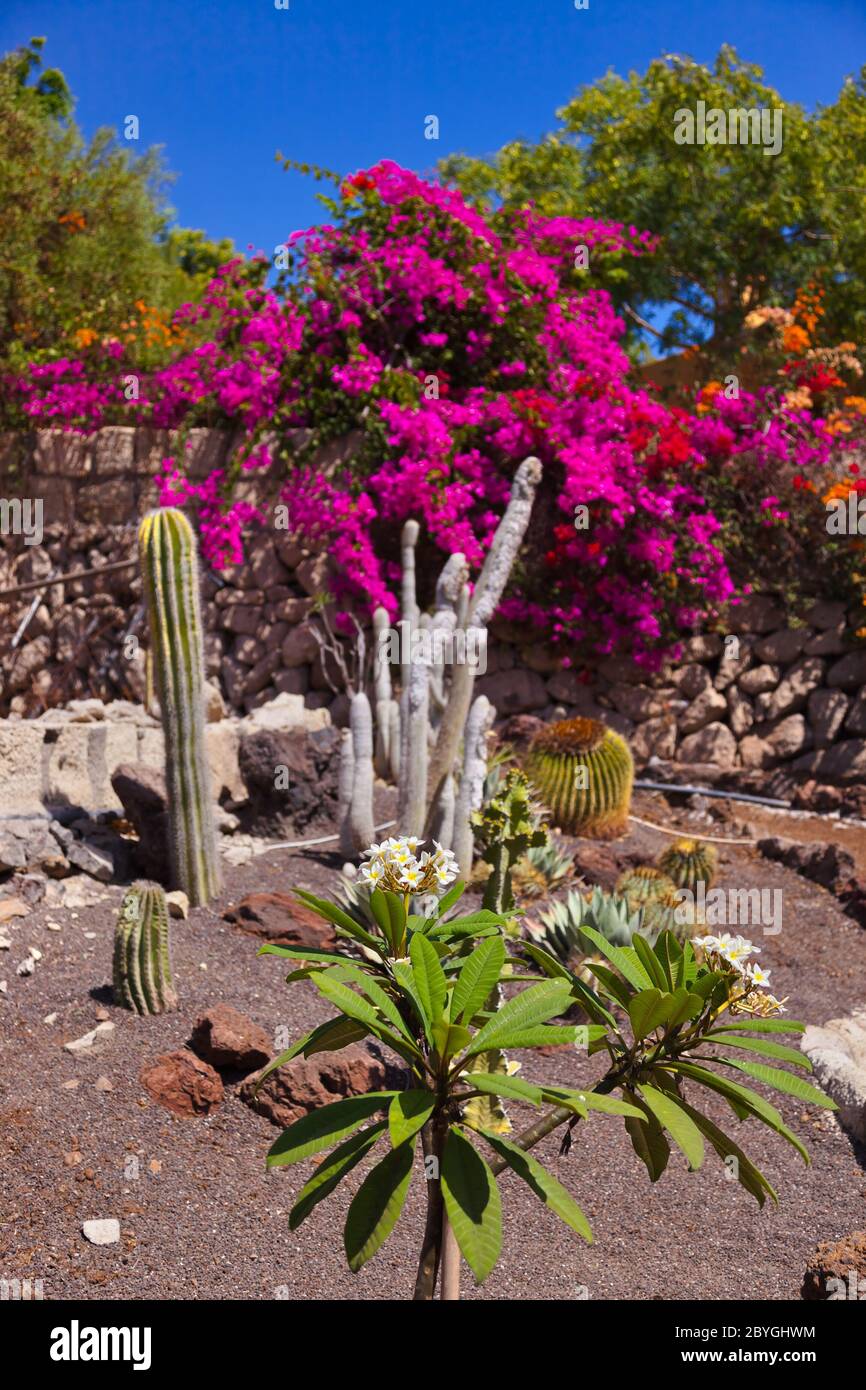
[(506, 829), (142, 962), (169, 567), (584, 773), (645, 884), (689, 862)]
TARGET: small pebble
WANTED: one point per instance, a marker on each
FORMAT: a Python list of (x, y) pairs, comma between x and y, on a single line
[(102, 1083), (70, 1085), (91, 935), (49, 1019), (102, 1015), (104, 1232)]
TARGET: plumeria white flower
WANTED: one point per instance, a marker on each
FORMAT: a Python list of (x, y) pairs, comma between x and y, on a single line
[(759, 977), (734, 950), (372, 873), (411, 876)]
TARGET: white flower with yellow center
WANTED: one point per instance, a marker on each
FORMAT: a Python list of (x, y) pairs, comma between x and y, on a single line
[(411, 876), (758, 977)]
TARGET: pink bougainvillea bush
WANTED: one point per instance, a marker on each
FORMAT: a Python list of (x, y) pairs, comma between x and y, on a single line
[(445, 347)]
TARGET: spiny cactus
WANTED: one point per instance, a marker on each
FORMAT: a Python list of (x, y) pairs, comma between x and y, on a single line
[(689, 862), (169, 567), (142, 962), (584, 773), (645, 884), (560, 928), (505, 830)]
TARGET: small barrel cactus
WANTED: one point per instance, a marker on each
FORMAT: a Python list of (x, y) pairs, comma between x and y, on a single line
[(584, 773), (645, 884), (169, 567), (689, 862), (142, 962)]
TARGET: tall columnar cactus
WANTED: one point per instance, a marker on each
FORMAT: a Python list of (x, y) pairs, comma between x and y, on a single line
[(689, 862), (584, 773), (506, 829), (142, 962), (169, 567)]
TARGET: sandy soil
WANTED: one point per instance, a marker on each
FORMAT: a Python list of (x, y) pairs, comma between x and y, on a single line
[(201, 1218)]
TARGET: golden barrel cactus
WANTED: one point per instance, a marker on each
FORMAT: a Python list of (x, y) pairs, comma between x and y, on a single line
[(584, 773), (689, 862)]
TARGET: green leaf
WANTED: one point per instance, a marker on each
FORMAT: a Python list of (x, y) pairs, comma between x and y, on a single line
[(784, 1081), (593, 1100), (622, 958), (501, 1084), (761, 1025), (301, 953), (531, 1006), (364, 1012), (332, 1170), (430, 981), (651, 963), (397, 919), (327, 1037), (377, 1205), (472, 1202), (454, 894), (477, 979), (767, 1049), (611, 983), (682, 1129), (648, 1011), (329, 911), (405, 977), (742, 1098), (543, 1184), (321, 1128), (648, 1141), (751, 1178), (545, 1035), (378, 997), (409, 1111), (450, 1038), (481, 923)]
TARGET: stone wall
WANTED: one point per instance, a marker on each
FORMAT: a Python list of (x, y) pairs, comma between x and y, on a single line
[(777, 696)]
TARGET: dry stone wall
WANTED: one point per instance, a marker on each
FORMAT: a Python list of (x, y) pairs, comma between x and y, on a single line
[(764, 695)]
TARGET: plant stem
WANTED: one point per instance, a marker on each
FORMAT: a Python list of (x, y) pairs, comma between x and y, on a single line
[(431, 1247), (450, 1290)]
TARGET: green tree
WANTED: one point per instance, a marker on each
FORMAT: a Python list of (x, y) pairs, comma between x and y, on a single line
[(739, 227), (86, 225)]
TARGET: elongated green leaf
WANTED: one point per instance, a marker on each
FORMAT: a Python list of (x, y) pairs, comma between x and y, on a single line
[(478, 977), (364, 1012), (377, 1205), (430, 982), (648, 1141), (337, 1033), (330, 912), (408, 1112), (531, 1006), (678, 1124), (301, 953), (405, 977), (622, 958), (500, 1084), (610, 982), (454, 894), (593, 1100), (760, 1025), (543, 1184), (651, 963), (750, 1177), (767, 1049), (450, 1038), (648, 1011), (324, 1127), (377, 996), (379, 909), (783, 1081), (742, 1098), (472, 1202), (481, 923), (397, 919), (332, 1170), (544, 1035)]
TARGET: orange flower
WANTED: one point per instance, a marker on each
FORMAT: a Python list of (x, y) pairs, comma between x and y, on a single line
[(85, 336), (72, 221), (794, 338)]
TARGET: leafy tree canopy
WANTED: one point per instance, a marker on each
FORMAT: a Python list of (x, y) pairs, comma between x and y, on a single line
[(739, 227)]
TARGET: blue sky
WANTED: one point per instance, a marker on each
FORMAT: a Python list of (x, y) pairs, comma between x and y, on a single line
[(223, 84)]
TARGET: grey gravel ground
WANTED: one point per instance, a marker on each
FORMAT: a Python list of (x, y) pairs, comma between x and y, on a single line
[(200, 1218)]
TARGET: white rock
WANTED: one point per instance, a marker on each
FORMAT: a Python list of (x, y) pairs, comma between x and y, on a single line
[(49, 1019), (104, 1232), (88, 1040), (178, 904), (838, 1054)]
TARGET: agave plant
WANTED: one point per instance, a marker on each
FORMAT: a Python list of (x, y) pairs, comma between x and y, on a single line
[(542, 870), (561, 928)]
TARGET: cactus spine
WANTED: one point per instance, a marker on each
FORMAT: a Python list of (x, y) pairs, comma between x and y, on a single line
[(169, 567), (689, 862), (142, 963), (584, 772)]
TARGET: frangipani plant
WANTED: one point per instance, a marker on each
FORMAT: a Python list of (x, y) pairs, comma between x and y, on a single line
[(424, 991)]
